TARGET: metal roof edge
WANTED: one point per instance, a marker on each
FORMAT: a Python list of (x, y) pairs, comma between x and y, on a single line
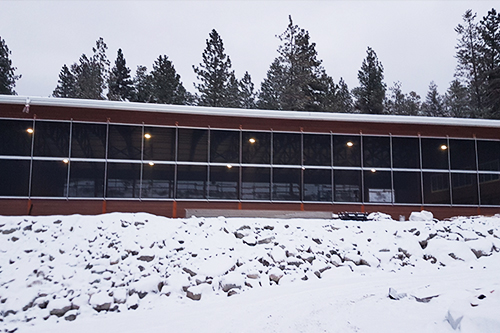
[(253, 113)]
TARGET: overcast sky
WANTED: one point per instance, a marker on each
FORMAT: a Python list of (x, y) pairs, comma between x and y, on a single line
[(414, 40)]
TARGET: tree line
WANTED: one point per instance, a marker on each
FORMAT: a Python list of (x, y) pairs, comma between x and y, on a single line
[(296, 79)]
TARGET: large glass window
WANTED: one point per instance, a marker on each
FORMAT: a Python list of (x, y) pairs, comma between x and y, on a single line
[(88, 140), (317, 149), (376, 151), (49, 179), (286, 184), (191, 182), (123, 180), (157, 181), (347, 185), (159, 144), (256, 147), (255, 183), (435, 154), (86, 179), (14, 178), (225, 146), (15, 137), (463, 154), (346, 150), (488, 153), (125, 142), (464, 189), (436, 188), (378, 187), (287, 148), (317, 185), (407, 187), (489, 186), (405, 153), (193, 145), (224, 182), (51, 139)]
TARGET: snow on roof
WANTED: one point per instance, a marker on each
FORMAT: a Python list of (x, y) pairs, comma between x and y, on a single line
[(217, 111)]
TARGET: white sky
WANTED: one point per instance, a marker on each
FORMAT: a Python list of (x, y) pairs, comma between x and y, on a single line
[(414, 40)]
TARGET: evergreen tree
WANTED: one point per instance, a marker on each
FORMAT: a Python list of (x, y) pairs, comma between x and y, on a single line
[(402, 104), (120, 83), (433, 105), (413, 104), (233, 95), (7, 77), (456, 100), (214, 73), (247, 92), (166, 85), (143, 85), (344, 98), (272, 87), (489, 28), (470, 67), (66, 87), (371, 92)]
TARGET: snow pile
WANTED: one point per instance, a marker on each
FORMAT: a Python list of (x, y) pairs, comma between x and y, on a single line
[(66, 268)]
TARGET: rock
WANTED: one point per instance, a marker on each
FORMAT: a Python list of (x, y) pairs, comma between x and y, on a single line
[(393, 294), (146, 258), (59, 307), (193, 296), (190, 272), (423, 216), (101, 301), (253, 276)]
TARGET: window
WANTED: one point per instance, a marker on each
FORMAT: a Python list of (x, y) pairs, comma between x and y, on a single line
[(489, 187), (225, 146), (436, 188), (159, 144), (256, 147), (435, 153), (51, 139), (15, 137), (376, 151), (464, 189), (346, 150), (405, 153), (287, 148), (125, 142), (123, 180), (378, 187), (193, 145), (317, 185), (347, 185), (191, 182), (224, 182), (407, 187), (157, 181), (49, 179), (88, 140), (317, 149), (86, 179), (463, 154), (14, 178), (255, 183), (286, 184), (488, 153)]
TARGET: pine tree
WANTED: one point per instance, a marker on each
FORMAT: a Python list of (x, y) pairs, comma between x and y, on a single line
[(143, 85), (120, 83), (247, 92), (395, 103), (344, 98), (371, 92), (489, 28), (66, 87), (413, 104), (456, 100), (166, 85), (233, 95), (7, 77), (272, 87), (214, 73), (433, 105)]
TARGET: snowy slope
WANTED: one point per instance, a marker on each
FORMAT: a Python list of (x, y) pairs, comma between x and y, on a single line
[(129, 272)]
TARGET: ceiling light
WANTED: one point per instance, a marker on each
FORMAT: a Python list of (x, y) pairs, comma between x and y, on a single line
[(147, 136), (349, 144)]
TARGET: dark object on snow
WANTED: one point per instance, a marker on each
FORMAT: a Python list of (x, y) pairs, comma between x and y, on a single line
[(353, 216)]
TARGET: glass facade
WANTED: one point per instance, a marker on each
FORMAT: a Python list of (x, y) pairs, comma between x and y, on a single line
[(66, 159)]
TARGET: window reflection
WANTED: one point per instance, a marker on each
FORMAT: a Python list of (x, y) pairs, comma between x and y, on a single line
[(347, 185), (157, 181), (376, 151), (286, 184), (378, 186), (256, 183), (405, 153), (191, 182), (159, 143), (346, 150), (49, 179), (224, 182), (51, 139), (317, 185), (14, 177), (436, 188), (123, 180), (317, 149), (125, 142), (193, 145), (463, 154), (15, 139), (88, 140), (86, 180), (225, 146), (256, 147), (434, 154), (287, 148)]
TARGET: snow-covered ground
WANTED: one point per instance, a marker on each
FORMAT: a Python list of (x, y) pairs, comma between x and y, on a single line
[(140, 272)]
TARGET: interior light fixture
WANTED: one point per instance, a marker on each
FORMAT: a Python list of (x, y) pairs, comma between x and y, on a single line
[(373, 170), (229, 166), (252, 140), (349, 144), (65, 161), (151, 163), (147, 136), (30, 130), (444, 147)]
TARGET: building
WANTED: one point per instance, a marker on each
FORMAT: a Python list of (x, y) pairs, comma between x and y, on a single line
[(65, 156)]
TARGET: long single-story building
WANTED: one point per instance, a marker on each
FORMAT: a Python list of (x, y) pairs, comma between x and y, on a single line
[(66, 156)]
